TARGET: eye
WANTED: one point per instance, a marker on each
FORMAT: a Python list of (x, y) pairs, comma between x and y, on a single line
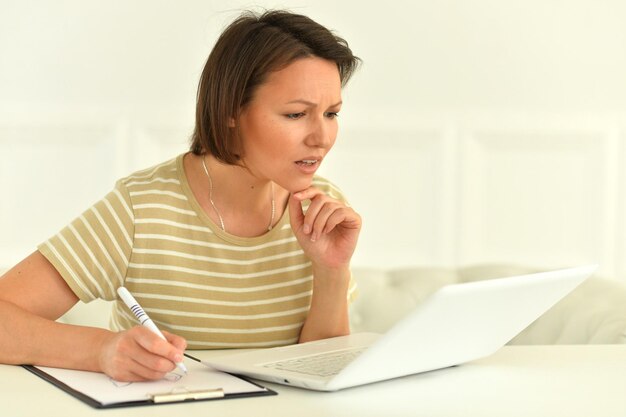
[(332, 114), (294, 116)]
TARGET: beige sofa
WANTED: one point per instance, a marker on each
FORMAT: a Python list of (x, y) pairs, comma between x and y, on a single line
[(593, 313)]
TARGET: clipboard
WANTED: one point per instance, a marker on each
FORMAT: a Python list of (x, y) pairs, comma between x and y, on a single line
[(154, 392)]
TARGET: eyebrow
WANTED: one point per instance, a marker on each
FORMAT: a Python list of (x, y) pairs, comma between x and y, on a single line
[(310, 103)]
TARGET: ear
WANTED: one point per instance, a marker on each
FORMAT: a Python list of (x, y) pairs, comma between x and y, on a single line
[(231, 122)]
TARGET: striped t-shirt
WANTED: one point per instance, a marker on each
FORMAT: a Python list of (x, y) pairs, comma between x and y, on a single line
[(214, 289)]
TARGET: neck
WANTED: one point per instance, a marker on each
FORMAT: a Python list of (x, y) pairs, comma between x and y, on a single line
[(241, 203), (236, 187)]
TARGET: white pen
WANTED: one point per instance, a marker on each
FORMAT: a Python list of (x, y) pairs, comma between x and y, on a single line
[(143, 318)]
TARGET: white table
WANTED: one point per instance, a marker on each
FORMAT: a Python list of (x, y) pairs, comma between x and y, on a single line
[(568, 381)]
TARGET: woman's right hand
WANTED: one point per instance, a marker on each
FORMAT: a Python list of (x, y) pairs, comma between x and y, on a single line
[(140, 355)]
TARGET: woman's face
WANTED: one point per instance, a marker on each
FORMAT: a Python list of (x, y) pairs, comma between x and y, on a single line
[(290, 124)]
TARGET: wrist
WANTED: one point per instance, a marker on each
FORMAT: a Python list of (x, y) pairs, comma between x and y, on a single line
[(328, 314), (100, 345), (331, 273), (331, 283)]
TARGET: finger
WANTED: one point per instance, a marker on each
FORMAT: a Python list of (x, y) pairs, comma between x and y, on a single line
[(296, 215), (158, 348), (312, 213), (148, 365), (308, 193), (321, 219), (141, 372), (345, 217), (178, 342), (126, 376), (126, 360)]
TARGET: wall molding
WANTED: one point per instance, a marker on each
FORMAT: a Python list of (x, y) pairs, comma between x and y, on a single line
[(426, 188)]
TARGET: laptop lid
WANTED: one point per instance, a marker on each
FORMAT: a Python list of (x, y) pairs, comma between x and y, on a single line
[(456, 324)]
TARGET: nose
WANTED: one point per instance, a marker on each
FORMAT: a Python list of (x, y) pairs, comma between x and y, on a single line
[(322, 133)]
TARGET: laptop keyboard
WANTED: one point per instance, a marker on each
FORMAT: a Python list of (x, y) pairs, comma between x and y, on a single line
[(322, 364)]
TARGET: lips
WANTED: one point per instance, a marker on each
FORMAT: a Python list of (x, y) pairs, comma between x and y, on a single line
[(309, 165), (307, 162)]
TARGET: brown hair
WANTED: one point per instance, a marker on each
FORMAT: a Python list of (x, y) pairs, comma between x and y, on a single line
[(250, 48)]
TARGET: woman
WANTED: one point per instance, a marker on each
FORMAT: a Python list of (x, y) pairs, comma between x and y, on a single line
[(235, 244)]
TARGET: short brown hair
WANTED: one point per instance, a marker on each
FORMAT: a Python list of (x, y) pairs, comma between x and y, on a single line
[(250, 48)]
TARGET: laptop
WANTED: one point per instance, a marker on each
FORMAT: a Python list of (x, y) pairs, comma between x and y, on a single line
[(456, 324)]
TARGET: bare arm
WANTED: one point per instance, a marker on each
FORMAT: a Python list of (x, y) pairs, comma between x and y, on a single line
[(328, 234), (33, 294), (328, 315)]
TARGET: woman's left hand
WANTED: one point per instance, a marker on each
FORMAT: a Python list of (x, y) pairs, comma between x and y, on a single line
[(329, 230)]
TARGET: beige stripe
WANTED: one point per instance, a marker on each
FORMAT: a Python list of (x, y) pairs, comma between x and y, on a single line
[(164, 207), (105, 227), (168, 283), (124, 204), (93, 260), (224, 303), (198, 329), (119, 222), (218, 274), (219, 260), (158, 192), (75, 278), (227, 316), (173, 223), (214, 245), (105, 252), (80, 263), (232, 331), (162, 180)]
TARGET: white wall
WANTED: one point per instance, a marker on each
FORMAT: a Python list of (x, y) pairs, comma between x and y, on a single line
[(476, 131)]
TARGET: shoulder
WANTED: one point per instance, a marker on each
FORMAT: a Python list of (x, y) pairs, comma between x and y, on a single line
[(154, 184), (328, 188), (163, 173)]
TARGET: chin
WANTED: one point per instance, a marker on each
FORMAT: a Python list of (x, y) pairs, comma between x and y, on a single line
[(297, 185)]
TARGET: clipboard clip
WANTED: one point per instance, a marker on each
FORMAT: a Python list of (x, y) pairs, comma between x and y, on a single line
[(181, 394)]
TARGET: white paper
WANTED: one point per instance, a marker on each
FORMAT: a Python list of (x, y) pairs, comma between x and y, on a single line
[(107, 391)]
